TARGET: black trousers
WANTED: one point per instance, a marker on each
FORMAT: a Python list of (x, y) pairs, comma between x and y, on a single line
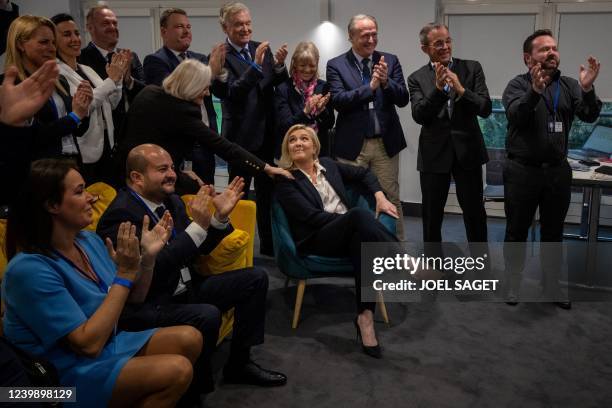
[(526, 189), (264, 187), (343, 237), (468, 184), (243, 289)]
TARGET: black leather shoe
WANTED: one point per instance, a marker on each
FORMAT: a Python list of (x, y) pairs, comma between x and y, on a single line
[(564, 305), (253, 374)]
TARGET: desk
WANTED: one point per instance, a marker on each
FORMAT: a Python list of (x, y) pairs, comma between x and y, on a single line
[(591, 202), (592, 183)]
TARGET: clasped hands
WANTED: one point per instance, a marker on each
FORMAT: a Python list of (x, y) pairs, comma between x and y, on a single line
[(316, 104), (444, 76), (380, 75)]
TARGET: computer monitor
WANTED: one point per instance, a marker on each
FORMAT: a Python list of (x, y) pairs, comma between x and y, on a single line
[(600, 140)]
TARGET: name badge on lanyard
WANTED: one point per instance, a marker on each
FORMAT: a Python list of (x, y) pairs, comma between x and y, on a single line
[(554, 125)]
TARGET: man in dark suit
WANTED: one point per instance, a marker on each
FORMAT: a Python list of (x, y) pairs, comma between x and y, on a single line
[(248, 108), (447, 95), (176, 295), (176, 36), (102, 25), (366, 85)]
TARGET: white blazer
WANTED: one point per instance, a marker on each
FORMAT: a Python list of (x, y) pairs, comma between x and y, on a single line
[(106, 97)]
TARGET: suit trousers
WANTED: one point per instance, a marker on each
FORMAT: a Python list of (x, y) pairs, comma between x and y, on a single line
[(264, 187), (374, 156), (526, 189), (342, 237), (468, 186), (243, 289)]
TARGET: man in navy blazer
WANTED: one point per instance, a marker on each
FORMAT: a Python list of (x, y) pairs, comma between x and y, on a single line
[(248, 108), (176, 293), (176, 35), (366, 85)]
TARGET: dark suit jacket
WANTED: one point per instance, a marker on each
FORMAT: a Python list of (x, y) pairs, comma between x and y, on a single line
[(248, 108), (442, 138), (47, 129), (91, 57), (179, 252), (351, 99), (161, 63), (303, 204), (175, 124), (290, 111)]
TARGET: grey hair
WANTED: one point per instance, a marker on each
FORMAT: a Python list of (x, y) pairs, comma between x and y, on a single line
[(359, 17), (429, 27), (230, 9)]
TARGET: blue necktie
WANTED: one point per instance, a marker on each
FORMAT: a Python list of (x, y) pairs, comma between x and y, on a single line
[(366, 75)]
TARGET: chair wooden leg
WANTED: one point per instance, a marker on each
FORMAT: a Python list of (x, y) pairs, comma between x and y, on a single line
[(382, 307), (298, 302)]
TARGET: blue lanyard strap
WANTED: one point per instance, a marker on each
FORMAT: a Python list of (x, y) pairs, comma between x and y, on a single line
[(251, 63), (150, 213), (100, 283), (555, 102)]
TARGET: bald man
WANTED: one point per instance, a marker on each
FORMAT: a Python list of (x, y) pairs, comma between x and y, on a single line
[(176, 294)]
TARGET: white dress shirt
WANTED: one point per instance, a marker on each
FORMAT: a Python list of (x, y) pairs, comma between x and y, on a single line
[(329, 197)]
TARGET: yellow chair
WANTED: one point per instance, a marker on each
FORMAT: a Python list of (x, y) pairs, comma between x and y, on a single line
[(105, 195)]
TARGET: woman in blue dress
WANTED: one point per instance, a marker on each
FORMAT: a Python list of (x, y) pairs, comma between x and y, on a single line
[(64, 292)]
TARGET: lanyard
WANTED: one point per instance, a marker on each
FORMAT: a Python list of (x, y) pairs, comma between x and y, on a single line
[(100, 283), (363, 79), (54, 107), (151, 214), (555, 102), (251, 63)]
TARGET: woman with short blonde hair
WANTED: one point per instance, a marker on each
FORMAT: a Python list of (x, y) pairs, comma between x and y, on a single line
[(189, 81)]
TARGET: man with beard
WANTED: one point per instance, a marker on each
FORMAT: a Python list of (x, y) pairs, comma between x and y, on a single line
[(540, 107), (176, 293)]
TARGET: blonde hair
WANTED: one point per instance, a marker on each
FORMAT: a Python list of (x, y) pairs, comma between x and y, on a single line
[(20, 31), (188, 80), (228, 10), (305, 51), (285, 159)]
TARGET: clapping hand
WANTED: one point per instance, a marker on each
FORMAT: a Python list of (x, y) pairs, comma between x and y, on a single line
[(152, 241), (441, 75), (20, 102), (199, 207), (127, 254), (280, 55), (453, 81), (588, 74), (82, 99), (127, 69), (216, 61), (225, 202), (539, 78), (381, 71), (118, 66), (260, 52)]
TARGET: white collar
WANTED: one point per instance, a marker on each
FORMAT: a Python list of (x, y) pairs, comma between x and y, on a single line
[(176, 53), (450, 63), (102, 50), (150, 204), (237, 47), (318, 166), (360, 58)]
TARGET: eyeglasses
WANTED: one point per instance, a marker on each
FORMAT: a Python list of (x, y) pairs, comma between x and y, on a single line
[(438, 45)]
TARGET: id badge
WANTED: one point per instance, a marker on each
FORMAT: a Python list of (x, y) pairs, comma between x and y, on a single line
[(185, 274), (558, 127)]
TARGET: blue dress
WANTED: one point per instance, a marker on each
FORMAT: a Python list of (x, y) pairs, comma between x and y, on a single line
[(47, 298)]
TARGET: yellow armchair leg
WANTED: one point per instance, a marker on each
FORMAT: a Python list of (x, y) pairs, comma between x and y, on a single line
[(298, 302)]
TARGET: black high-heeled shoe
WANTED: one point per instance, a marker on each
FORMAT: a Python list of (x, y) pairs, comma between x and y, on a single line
[(372, 351)]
